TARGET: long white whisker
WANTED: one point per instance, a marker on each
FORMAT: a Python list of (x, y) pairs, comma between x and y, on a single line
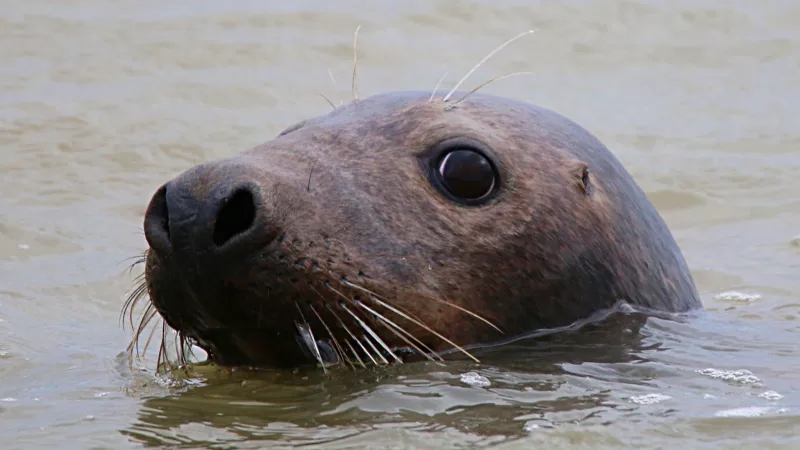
[(497, 78), (373, 334), (374, 349), (437, 334), (307, 328), (339, 349), (330, 73), (436, 88), (355, 353), (485, 58), (355, 63), (453, 305), (347, 330), (393, 326)]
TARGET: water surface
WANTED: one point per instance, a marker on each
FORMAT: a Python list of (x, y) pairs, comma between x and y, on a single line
[(101, 102)]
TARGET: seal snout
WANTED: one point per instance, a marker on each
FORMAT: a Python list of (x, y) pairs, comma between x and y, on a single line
[(207, 219)]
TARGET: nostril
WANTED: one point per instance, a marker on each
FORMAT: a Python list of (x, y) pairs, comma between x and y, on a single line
[(235, 217), (163, 213), (156, 221)]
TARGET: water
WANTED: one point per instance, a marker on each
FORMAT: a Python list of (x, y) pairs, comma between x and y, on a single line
[(100, 102)]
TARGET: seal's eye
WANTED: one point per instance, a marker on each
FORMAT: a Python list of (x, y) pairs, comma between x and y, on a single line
[(466, 174)]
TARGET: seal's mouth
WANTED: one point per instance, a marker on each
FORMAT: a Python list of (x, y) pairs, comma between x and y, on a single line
[(311, 322), (246, 347)]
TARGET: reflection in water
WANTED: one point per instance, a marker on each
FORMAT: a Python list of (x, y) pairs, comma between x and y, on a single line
[(540, 382), (619, 371)]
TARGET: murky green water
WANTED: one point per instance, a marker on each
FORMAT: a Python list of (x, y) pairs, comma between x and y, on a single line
[(100, 102)]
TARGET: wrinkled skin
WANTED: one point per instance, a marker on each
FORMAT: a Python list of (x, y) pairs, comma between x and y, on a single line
[(340, 209)]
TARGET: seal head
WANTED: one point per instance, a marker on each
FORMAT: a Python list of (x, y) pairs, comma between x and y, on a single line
[(395, 226)]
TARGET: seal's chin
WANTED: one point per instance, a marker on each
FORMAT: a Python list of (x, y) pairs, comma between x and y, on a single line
[(264, 343), (258, 348), (268, 348), (244, 343)]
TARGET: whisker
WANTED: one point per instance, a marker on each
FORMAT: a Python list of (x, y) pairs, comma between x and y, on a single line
[(374, 349), (480, 86), (393, 327), (363, 324), (407, 341), (162, 359), (373, 334), (466, 311), (347, 330), (150, 336), (189, 348), (308, 336), (436, 88), (178, 348), (149, 339), (431, 330), (133, 346), (330, 72), (147, 316), (482, 319), (485, 58), (311, 172), (369, 355), (328, 100), (130, 303), (355, 353), (341, 355), (337, 346), (181, 345), (139, 260), (355, 63), (317, 353)]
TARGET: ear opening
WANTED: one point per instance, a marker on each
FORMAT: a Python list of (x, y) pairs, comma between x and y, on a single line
[(582, 176)]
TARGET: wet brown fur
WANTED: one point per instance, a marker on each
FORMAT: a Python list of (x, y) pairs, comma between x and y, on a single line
[(569, 234)]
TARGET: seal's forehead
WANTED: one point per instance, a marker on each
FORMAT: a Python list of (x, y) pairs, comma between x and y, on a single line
[(420, 110), (409, 122), (390, 103), (417, 116)]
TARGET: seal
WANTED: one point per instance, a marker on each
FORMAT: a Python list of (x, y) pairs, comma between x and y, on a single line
[(396, 226), (403, 226)]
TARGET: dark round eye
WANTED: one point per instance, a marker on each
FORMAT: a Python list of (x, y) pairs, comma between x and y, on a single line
[(466, 174)]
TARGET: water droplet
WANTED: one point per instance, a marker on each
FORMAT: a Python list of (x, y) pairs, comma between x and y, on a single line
[(734, 296), (732, 376), (649, 399), (475, 380), (770, 395)]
